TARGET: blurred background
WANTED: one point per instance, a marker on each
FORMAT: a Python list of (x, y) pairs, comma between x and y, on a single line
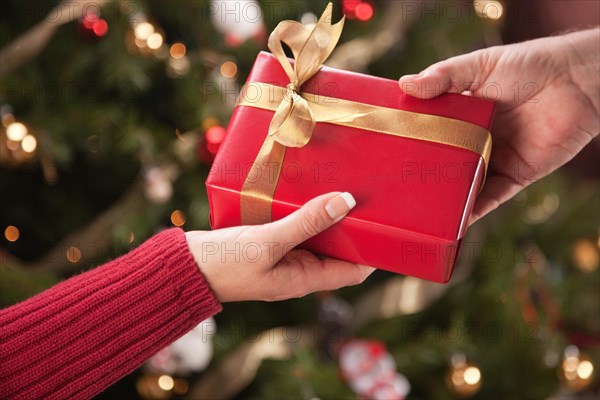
[(112, 112)]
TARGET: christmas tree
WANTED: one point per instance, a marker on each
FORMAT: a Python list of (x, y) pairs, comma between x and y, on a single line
[(112, 112)]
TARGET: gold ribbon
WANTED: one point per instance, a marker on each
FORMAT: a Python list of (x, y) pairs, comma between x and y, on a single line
[(296, 114)]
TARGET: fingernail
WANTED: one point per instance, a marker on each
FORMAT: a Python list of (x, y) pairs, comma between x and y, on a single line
[(367, 268), (412, 76), (340, 205)]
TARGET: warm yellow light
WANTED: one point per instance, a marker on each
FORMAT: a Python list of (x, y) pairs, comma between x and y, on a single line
[(29, 144), (177, 50), (140, 43), (209, 122), (11, 233), (178, 218), (229, 69), (458, 378), (489, 9), (472, 375), (13, 146), (16, 131), (585, 369), (181, 387), (165, 382), (73, 254), (154, 41), (143, 30), (585, 255), (570, 364), (7, 119), (131, 237)]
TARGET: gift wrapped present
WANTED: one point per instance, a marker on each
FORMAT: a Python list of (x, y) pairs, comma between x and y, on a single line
[(301, 129)]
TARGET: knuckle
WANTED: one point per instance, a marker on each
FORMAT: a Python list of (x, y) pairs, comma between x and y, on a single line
[(313, 223)]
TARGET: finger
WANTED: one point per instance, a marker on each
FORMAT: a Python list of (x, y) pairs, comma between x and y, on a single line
[(313, 218), (306, 273), (454, 75)]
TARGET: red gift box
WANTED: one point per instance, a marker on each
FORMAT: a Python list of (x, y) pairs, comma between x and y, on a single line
[(414, 197)]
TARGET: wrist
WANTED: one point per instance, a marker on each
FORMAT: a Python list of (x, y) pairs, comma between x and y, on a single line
[(583, 63), (194, 241)]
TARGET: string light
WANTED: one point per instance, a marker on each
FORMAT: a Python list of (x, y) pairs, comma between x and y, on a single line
[(214, 137), (472, 375), (29, 144), (16, 131), (308, 19), (364, 11), (209, 122), (154, 41), (577, 369), (159, 387), (178, 218), (229, 69), (177, 50), (13, 146), (92, 23), (181, 387), (7, 119), (73, 254), (489, 9), (585, 255), (143, 30), (11, 233), (178, 66), (165, 382), (100, 27), (349, 7), (464, 378)]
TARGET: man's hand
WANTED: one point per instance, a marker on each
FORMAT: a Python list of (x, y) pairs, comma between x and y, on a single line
[(548, 97), (260, 262)]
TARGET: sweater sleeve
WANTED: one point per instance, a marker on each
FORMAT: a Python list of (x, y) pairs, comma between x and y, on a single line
[(80, 336)]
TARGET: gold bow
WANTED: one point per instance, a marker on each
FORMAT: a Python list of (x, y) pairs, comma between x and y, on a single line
[(293, 123)]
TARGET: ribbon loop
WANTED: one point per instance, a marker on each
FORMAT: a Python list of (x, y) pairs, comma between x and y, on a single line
[(293, 122)]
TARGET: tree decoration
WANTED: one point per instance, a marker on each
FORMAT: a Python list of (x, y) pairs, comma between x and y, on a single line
[(91, 25), (17, 143), (370, 370), (358, 9), (464, 377), (577, 369), (238, 20)]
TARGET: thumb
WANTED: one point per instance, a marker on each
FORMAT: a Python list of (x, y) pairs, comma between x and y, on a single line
[(313, 218), (454, 75)]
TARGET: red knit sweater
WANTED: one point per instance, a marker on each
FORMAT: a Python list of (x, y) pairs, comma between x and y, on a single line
[(77, 338)]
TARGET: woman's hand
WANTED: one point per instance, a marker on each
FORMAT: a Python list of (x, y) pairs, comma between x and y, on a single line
[(548, 99), (260, 262)]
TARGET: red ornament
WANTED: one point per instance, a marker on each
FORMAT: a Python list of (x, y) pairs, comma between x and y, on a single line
[(358, 9), (210, 143), (364, 11), (349, 7), (92, 26), (233, 41), (100, 27)]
